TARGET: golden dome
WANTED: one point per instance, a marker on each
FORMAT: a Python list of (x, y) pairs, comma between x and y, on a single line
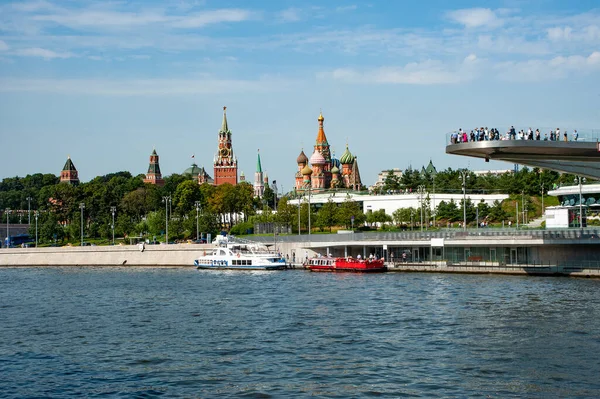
[(321, 119), (306, 170)]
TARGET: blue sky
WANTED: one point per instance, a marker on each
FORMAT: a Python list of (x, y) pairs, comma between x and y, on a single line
[(106, 82)]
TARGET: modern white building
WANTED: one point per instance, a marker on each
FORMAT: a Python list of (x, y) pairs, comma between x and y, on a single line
[(391, 203), (573, 199)]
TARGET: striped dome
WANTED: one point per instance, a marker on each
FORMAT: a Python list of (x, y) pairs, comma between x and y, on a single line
[(335, 170), (317, 158), (347, 157)]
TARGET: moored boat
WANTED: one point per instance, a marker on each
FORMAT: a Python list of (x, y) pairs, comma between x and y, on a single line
[(223, 258), (347, 264)]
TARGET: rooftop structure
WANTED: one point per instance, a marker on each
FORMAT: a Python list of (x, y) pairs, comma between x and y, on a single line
[(69, 173)]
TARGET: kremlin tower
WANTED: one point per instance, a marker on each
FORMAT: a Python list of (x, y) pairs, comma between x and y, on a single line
[(69, 173), (259, 187), (225, 163), (153, 176)]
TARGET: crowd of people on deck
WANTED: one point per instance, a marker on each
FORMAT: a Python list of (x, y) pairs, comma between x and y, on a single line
[(485, 134)]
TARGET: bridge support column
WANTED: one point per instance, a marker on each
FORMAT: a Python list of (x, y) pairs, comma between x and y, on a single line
[(345, 251)]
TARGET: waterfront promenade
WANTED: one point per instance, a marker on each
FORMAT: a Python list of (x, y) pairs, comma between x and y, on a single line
[(478, 251)]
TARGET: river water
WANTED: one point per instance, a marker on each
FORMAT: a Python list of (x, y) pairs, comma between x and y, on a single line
[(148, 332)]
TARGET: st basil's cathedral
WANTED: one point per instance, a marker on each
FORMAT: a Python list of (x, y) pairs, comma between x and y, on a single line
[(325, 173)]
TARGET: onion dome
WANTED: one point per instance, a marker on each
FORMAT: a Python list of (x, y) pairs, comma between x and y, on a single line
[(302, 158), (306, 170), (321, 119), (317, 158), (335, 170), (334, 162), (347, 157)]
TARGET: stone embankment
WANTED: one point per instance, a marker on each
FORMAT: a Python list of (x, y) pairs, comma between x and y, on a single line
[(496, 268), (119, 255)]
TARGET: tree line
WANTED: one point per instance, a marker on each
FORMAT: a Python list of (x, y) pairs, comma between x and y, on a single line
[(144, 209)]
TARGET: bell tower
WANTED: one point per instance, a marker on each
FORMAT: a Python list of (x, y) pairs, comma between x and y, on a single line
[(225, 162)]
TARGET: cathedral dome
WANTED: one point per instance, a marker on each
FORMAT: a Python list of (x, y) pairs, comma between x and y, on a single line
[(193, 171), (317, 158), (335, 170), (321, 117), (306, 170), (302, 158), (347, 157)]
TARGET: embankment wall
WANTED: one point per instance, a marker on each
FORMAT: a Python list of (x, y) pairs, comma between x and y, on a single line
[(129, 255)]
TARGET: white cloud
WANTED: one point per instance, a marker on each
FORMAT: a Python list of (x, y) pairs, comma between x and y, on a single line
[(548, 69), (43, 53), (290, 15), (139, 87), (3, 46), (347, 8), (475, 17), (429, 72), (201, 19), (559, 33), (93, 18)]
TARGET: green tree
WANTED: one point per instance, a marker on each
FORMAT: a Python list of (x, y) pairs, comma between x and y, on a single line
[(327, 215)]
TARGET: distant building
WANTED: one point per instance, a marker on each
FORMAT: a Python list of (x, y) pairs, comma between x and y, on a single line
[(69, 173), (225, 162), (429, 170), (381, 176), (497, 172), (325, 173), (153, 176)]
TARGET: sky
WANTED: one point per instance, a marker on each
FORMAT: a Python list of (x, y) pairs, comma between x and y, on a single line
[(106, 82)]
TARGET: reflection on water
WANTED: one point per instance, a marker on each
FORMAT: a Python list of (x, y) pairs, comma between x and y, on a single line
[(102, 332)]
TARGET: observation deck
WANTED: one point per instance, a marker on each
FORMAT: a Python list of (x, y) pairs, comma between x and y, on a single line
[(580, 157)]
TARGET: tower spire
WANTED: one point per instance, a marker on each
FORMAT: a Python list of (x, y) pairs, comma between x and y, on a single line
[(224, 127), (258, 164)]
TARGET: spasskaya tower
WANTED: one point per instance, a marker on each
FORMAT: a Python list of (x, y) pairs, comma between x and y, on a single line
[(225, 162)]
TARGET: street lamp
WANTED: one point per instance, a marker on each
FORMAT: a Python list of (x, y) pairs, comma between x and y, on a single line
[(299, 215), (7, 211), (28, 210), (420, 188), (542, 199), (36, 214), (197, 203), (82, 207), (167, 201), (580, 179), (309, 210), (113, 209), (463, 173)]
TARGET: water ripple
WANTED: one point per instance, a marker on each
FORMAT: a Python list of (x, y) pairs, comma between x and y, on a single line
[(117, 332)]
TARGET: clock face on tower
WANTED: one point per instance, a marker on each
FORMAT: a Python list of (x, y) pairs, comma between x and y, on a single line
[(224, 152)]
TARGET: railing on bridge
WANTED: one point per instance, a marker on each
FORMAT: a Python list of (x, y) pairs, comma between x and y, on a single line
[(585, 135)]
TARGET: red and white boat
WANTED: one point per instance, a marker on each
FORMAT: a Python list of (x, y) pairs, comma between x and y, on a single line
[(348, 264)]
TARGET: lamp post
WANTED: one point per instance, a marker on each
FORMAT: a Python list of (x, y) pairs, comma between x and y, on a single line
[(28, 210), (197, 203), (434, 201), (7, 212), (542, 199), (463, 173), (299, 215), (82, 207), (113, 209), (35, 214), (420, 188), (167, 201), (309, 210), (580, 179)]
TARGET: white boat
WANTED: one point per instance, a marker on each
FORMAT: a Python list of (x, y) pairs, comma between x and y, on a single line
[(239, 257)]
